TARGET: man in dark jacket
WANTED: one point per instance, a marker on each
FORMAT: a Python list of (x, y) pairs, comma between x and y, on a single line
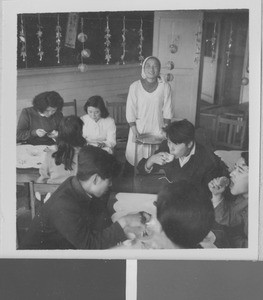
[(75, 217), (182, 158)]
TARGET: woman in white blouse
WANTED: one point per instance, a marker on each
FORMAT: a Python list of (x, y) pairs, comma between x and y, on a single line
[(148, 108), (99, 128)]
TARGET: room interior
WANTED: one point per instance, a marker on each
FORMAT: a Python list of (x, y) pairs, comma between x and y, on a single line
[(204, 57)]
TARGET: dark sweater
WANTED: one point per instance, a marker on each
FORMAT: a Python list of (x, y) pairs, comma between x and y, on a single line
[(30, 120), (68, 221), (201, 168)]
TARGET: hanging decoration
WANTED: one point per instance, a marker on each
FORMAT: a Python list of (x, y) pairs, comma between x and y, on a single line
[(141, 58), (213, 44), (229, 46), (173, 48), (58, 40), (198, 37), (82, 37), (39, 36), (107, 42), (123, 44), (22, 38)]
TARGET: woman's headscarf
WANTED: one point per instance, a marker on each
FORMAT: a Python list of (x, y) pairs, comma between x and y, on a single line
[(144, 62)]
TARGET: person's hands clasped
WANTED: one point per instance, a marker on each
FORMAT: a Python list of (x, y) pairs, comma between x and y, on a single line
[(101, 145), (134, 225), (40, 132), (53, 134)]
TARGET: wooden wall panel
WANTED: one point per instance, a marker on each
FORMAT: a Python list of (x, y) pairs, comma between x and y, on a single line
[(107, 81)]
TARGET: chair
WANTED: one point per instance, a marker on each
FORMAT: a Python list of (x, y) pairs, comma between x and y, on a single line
[(117, 111), (72, 104), (40, 192), (230, 132)]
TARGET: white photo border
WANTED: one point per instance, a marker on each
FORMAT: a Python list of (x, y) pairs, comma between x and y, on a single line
[(8, 128)]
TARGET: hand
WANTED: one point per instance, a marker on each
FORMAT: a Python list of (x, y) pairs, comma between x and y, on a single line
[(40, 132), (215, 187), (101, 145), (135, 132), (159, 159), (53, 134)]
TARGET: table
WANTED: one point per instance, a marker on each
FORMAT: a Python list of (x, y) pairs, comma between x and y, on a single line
[(128, 203), (28, 161)]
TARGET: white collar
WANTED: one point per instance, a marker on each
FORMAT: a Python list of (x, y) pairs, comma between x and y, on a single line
[(183, 160)]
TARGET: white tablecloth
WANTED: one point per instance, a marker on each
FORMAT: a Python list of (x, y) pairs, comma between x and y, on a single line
[(29, 156)]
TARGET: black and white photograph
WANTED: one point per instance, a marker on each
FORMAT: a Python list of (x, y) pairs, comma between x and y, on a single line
[(131, 129)]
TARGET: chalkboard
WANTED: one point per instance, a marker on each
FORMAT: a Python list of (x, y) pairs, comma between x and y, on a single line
[(94, 24)]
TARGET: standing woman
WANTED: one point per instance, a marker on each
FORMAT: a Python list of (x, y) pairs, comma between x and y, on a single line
[(61, 163), (148, 108), (38, 125), (99, 128)]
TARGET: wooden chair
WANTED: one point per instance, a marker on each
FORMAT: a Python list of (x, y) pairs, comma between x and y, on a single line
[(230, 132), (40, 192), (72, 104), (117, 111)]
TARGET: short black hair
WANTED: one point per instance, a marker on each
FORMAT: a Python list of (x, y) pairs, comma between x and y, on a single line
[(185, 214), (245, 156), (48, 99), (180, 132), (93, 160), (97, 101)]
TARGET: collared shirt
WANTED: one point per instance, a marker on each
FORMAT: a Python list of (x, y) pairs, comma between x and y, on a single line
[(183, 160)]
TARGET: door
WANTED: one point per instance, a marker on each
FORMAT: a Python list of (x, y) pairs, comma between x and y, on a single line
[(177, 39), (211, 35)]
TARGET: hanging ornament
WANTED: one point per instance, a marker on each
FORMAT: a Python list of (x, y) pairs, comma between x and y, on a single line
[(168, 77), (82, 67), (170, 65), (22, 38), (107, 42), (82, 37), (58, 40), (85, 53), (198, 40), (229, 45), (39, 36), (141, 58), (123, 44), (213, 44)]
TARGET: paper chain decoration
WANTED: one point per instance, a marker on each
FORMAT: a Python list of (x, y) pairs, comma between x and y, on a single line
[(39, 36), (123, 44), (141, 58), (22, 38), (107, 42), (58, 40)]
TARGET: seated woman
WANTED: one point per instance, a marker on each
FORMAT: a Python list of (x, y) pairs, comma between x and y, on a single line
[(38, 125), (233, 212), (61, 163), (99, 128)]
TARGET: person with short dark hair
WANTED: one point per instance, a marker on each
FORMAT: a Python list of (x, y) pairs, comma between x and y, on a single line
[(99, 128), (184, 217), (182, 158), (61, 162), (38, 125), (233, 212), (75, 217)]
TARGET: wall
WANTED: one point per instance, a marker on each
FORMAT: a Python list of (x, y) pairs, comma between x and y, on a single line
[(107, 81)]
